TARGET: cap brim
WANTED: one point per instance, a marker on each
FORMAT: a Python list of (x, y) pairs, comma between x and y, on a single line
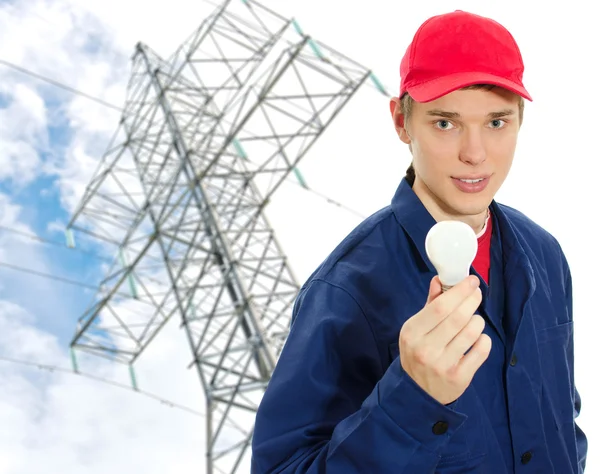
[(431, 90)]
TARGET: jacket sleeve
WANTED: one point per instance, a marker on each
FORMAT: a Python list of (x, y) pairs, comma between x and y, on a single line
[(581, 438), (332, 407)]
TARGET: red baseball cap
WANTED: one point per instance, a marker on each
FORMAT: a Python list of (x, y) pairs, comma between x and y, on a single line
[(459, 49)]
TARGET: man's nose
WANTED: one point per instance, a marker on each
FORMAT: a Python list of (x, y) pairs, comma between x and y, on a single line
[(472, 150)]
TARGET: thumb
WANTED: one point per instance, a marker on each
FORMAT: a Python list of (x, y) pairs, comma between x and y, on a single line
[(435, 289)]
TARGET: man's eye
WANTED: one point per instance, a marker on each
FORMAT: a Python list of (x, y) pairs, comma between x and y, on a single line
[(443, 124)]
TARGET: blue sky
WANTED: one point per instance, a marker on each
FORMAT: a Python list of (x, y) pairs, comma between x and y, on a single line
[(51, 142), (39, 200)]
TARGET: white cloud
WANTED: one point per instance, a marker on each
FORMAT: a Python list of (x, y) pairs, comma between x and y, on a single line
[(74, 173), (18, 336), (12, 243), (59, 422), (55, 226), (23, 131)]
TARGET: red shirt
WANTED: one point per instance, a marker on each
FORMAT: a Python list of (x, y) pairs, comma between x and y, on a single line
[(482, 259)]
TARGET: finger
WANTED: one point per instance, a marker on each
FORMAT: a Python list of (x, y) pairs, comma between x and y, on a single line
[(435, 289), (471, 362), (455, 322), (464, 340), (435, 312), (440, 337)]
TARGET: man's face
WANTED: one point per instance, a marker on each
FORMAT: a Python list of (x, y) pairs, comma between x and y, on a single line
[(465, 134)]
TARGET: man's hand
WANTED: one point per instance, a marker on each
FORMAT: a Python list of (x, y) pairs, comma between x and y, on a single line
[(433, 342)]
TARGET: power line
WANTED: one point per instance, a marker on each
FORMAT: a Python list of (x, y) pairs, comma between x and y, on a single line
[(54, 368), (331, 201), (54, 242), (58, 84), (47, 275), (57, 278), (95, 378)]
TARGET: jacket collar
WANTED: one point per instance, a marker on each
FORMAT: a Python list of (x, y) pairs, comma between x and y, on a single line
[(416, 221), (414, 218)]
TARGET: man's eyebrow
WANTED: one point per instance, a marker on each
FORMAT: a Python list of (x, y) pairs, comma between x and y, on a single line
[(443, 113), (501, 113), (455, 115)]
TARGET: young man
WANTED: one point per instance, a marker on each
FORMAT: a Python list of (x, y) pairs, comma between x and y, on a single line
[(382, 371)]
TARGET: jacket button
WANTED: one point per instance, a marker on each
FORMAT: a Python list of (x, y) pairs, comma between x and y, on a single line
[(513, 360), (526, 457), (440, 428)]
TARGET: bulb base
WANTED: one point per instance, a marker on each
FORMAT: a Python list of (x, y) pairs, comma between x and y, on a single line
[(446, 288)]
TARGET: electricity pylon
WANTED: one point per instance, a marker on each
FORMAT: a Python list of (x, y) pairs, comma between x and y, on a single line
[(205, 139)]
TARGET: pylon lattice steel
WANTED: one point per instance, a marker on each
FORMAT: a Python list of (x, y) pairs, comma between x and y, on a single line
[(205, 139)]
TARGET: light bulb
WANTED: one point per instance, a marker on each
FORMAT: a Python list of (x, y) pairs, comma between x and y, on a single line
[(451, 246)]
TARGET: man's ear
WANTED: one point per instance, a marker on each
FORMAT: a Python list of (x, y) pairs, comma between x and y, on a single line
[(395, 110), (398, 119)]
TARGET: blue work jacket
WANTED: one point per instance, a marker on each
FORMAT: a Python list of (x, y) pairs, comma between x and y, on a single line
[(339, 401)]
